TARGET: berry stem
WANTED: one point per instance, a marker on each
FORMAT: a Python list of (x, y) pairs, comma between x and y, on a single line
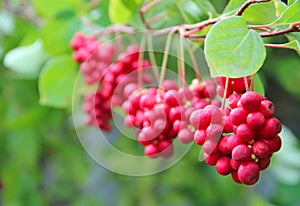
[(247, 4), (195, 65), (252, 82), (246, 84), (152, 56), (165, 59), (144, 9), (182, 66), (224, 95), (140, 62)]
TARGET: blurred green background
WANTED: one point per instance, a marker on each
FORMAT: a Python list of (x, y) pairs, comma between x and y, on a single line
[(41, 159)]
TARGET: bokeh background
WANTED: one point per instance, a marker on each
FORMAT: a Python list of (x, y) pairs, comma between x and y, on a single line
[(41, 159)]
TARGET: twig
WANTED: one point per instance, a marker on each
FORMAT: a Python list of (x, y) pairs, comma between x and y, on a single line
[(294, 27), (247, 4), (277, 46), (25, 10), (144, 9)]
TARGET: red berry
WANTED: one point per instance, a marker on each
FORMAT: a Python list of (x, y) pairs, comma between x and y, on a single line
[(248, 173), (260, 149), (255, 120), (185, 136), (245, 133), (274, 144), (250, 101), (263, 163), (234, 176), (213, 158), (151, 151), (241, 153), (233, 100), (199, 137), (267, 108), (234, 164), (271, 128), (238, 116), (223, 166)]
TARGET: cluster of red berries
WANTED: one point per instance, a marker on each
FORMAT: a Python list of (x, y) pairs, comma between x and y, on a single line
[(95, 57), (239, 141), (235, 85), (111, 78), (162, 114)]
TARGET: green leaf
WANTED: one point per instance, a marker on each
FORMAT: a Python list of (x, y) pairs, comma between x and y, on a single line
[(258, 85), (287, 72), (290, 15), (290, 2), (7, 23), (262, 13), (26, 59), (233, 6), (58, 31), (48, 8), (57, 81), (118, 12), (295, 38), (232, 50)]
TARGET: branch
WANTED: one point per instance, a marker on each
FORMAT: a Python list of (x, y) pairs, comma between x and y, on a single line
[(294, 27), (144, 9), (276, 46), (247, 4), (23, 9)]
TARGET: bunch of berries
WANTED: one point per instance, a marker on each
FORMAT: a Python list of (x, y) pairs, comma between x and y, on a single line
[(98, 106), (95, 57)]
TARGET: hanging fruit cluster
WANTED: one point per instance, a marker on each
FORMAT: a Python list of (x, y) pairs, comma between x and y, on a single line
[(234, 125)]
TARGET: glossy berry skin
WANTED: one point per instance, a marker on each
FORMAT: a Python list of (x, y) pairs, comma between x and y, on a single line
[(241, 153), (223, 166), (248, 173)]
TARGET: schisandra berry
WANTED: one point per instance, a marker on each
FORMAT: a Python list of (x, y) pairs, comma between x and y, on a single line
[(223, 166), (248, 173)]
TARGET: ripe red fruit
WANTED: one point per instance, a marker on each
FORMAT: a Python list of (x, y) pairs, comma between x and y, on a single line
[(234, 176), (241, 153), (274, 144), (212, 159), (234, 164), (260, 149), (255, 120), (210, 146), (248, 173), (251, 101), (199, 137), (233, 100), (223, 166), (238, 116), (151, 150), (245, 133), (271, 128), (267, 108), (263, 163), (185, 136), (214, 132)]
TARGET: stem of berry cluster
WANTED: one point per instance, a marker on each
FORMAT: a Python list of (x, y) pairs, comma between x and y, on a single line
[(152, 56), (181, 56), (140, 61), (165, 59), (195, 65), (246, 83), (224, 95)]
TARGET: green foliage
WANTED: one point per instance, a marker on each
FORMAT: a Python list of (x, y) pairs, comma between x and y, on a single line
[(27, 59), (42, 161), (232, 50), (57, 81), (290, 15)]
